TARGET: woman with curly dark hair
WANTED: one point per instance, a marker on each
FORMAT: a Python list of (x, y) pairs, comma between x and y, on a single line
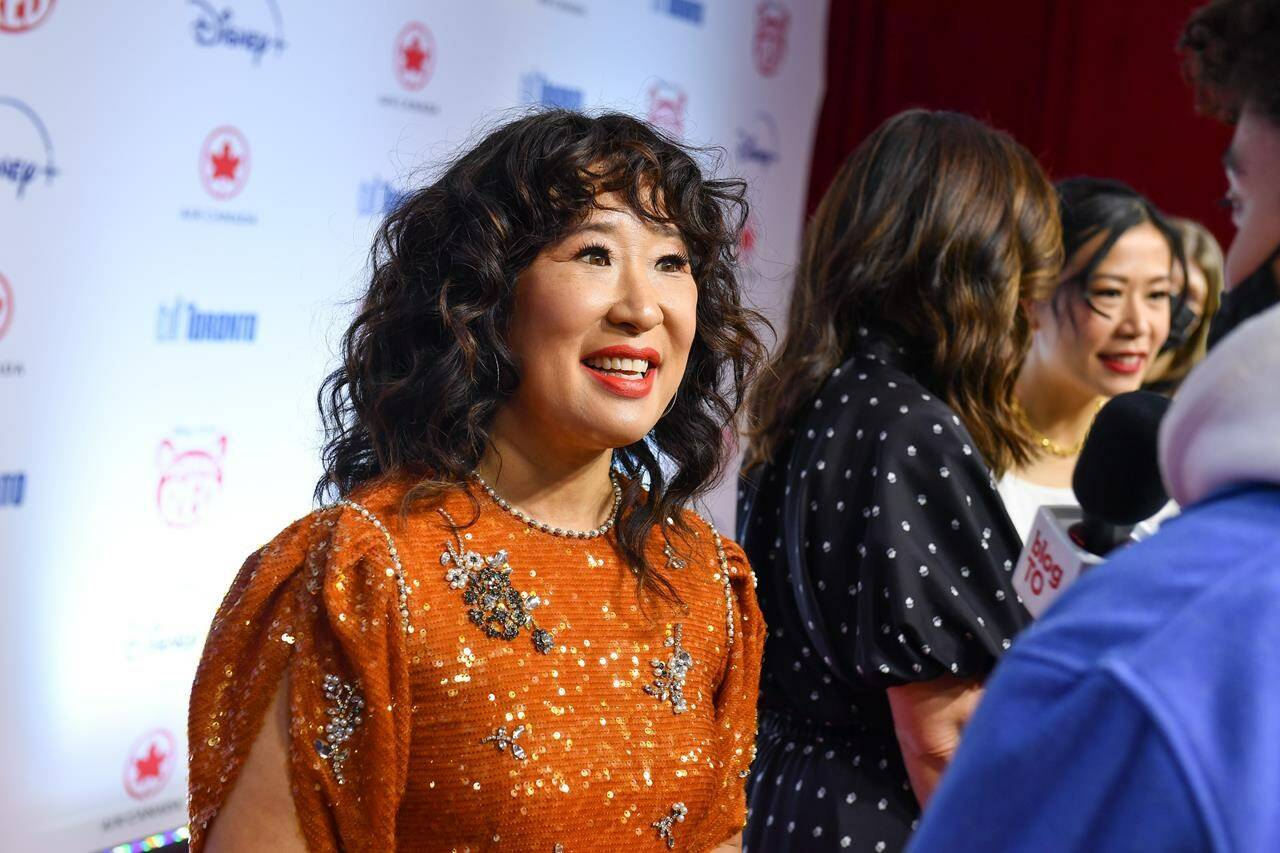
[(510, 630), (884, 553)]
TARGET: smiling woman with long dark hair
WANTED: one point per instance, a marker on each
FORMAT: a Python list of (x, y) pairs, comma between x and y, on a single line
[(510, 630)]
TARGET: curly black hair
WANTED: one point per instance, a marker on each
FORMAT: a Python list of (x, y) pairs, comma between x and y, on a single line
[(426, 365), (1231, 54)]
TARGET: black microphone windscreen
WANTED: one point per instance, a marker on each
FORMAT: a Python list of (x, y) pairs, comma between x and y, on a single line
[(1117, 478)]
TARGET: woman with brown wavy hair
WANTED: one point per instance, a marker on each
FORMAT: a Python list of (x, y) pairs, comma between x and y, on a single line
[(510, 630), (869, 508)]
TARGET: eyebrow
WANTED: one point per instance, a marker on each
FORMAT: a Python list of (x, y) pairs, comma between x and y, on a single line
[(1125, 280)]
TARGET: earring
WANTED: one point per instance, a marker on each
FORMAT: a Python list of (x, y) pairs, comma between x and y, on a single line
[(670, 406)]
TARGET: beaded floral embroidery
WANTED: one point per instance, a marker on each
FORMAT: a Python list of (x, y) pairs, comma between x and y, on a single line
[(666, 825), (346, 714), (493, 604), (669, 675), (502, 741)]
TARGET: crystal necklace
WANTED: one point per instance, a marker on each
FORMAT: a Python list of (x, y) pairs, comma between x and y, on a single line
[(547, 528)]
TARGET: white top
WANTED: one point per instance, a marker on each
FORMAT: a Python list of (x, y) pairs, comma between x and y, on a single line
[(1023, 498)]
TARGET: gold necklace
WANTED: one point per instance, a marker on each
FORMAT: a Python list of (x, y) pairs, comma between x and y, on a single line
[(1048, 445)]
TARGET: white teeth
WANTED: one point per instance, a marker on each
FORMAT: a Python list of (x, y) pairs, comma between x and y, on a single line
[(620, 365)]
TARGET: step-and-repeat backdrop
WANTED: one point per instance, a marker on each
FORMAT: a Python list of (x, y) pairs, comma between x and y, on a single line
[(188, 191)]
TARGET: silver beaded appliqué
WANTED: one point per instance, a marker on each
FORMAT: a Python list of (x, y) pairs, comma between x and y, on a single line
[(396, 570), (493, 604), (669, 674), (666, 825), (503, 741), (724, 579), (547, 528), (346, 714), (674, 561)]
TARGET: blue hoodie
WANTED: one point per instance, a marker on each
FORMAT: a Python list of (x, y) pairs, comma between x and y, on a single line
[(1142, 712)]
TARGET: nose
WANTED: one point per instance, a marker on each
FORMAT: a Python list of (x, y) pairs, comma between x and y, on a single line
[(1139, 318), (636, 308)]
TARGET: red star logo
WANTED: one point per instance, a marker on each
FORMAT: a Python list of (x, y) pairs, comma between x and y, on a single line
[(748, 242), (225, 164), (149, 767), (414, 56)]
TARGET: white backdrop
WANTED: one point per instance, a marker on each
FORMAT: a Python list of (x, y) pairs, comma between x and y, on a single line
[(188, 190)]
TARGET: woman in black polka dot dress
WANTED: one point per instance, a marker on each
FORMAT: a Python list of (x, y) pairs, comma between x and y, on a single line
[(868, 508)]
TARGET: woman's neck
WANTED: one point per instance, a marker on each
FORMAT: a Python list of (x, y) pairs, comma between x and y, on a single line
[(563, 489), (1057, 408)]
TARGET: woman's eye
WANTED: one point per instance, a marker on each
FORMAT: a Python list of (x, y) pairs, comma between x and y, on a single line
[(597, 256), (1106, 293), (1160, 295), (672, 263)]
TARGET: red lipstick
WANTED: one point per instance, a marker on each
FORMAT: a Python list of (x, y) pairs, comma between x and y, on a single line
[(625, 386)]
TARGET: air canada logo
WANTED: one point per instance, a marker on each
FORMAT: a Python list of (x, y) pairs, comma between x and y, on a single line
[(224, 163), (535, 88), (150, 764), (770, 43), (214, 28), (6, 306), (26, 149), (415, 56), (667, 106), (18, 16), (190, 468), (749, 240)]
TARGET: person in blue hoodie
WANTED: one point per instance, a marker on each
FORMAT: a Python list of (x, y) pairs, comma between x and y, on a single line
[(1142, 712)]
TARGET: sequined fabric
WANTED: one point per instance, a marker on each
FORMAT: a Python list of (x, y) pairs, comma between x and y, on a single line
[(451, 737)]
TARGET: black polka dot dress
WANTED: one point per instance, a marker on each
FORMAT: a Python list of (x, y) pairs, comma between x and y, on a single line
[(884, 556)]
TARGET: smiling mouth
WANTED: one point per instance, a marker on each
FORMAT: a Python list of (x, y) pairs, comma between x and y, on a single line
[(1126, 362), (622, 368)]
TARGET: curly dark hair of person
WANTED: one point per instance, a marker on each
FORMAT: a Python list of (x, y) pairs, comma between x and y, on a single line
[(931, 234), (425, 364), (1231, 54)]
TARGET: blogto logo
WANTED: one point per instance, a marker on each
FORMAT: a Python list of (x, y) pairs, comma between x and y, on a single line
[(150, 764), (770, 43), (414, 56), (6, 306), (18, 16), (26, 149), (190, 476), (214, 27), (224, 163), (667, 106)]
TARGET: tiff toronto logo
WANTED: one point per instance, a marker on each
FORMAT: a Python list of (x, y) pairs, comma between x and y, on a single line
[(378, 197), (184, 321), (537, 89), (687, 10), (218, 28), (13, 487)]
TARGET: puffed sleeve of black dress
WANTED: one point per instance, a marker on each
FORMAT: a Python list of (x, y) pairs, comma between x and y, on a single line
[(934, 595)]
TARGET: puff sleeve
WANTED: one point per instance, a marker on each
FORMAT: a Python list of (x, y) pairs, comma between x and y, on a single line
[(735, 698), (319, 607), (935, 594)]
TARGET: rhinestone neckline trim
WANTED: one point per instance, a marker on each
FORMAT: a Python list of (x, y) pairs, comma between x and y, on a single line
[(551, 529)]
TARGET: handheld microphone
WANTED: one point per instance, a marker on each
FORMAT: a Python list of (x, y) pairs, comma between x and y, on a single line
[(1117, 482)]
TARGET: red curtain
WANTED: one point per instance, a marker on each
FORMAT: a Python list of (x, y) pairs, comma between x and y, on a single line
[(1089, 86)]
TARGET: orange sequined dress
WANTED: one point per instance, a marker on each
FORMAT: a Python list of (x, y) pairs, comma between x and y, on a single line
[(487, 686)]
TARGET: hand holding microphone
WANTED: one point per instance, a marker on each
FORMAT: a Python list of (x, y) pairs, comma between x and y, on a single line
[(1117, 482)]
